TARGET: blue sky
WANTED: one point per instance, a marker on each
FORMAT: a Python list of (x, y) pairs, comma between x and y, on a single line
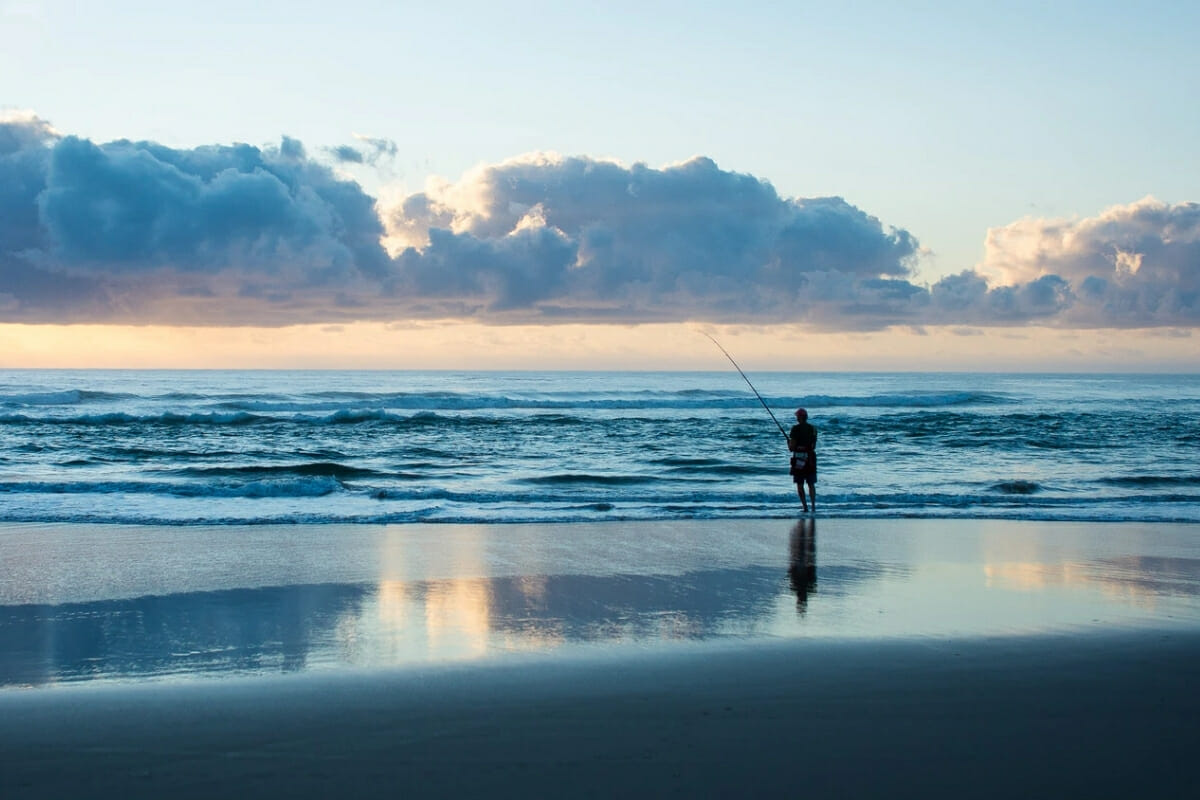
[(941, 121)]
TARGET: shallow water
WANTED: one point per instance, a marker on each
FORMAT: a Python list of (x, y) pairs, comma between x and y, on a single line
[(89, 603)]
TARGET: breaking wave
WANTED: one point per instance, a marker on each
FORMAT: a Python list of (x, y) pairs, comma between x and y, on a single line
[(256, 447)]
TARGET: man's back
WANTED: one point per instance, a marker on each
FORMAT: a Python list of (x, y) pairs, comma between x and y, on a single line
[(802, 437)]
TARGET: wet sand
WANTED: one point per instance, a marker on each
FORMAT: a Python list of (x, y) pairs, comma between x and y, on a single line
[(846, 658), (1048, 717)]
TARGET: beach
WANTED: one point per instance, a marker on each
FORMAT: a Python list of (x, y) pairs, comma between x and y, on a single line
[(699, 658), (1054, 717)]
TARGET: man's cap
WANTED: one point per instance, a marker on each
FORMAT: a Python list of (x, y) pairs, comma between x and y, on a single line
[(801, 413)]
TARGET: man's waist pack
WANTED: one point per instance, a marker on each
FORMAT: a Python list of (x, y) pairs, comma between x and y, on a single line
[(799, 461)]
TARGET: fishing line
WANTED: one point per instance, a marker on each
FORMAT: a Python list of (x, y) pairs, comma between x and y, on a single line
[(748, 383)]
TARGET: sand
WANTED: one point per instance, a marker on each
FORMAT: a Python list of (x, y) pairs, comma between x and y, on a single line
[(1105, 717), (882, 659)]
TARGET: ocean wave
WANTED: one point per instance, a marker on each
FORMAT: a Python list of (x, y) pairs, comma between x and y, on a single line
[(588, 490), (1017, 487), (572, 478), (687, 461), (366, 403), (468, 516), (165, 453), (297, 488), (64, 397), (351, 416), (692, 399), (1041, 498), (120, 418), (1075, 432), (721, 470), (254, 447), (345, 416), (441, 401), (301, 407), (1151, 480), (902, 400), (918, 501), (230, 418), (425, 411), (326, 469), (565, 512)]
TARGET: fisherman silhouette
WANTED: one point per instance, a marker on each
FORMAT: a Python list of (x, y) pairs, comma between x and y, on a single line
[(802, 441), (802, 570)]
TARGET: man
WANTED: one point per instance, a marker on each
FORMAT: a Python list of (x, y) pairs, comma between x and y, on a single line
[(802, 441)]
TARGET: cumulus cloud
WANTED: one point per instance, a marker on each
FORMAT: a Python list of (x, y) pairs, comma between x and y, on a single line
[(579, 238), (1136, 265), (137, 232)]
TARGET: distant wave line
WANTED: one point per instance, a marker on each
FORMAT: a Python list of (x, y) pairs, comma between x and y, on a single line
[(604, 489), (304, 487), (449, 401)]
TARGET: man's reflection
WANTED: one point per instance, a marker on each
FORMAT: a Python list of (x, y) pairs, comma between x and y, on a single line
[(802, 574)]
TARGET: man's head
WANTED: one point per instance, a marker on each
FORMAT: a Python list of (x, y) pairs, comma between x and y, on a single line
[(801, 415)]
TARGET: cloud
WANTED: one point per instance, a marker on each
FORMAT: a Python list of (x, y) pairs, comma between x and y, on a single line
[(1136, 265), (24, 158), (968, 298), (376, 149), (370, 151), (346, 154), (136, 231), (558, 238), (139, 232)]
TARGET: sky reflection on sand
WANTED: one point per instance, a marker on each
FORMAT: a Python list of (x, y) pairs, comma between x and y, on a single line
[(262, 601)]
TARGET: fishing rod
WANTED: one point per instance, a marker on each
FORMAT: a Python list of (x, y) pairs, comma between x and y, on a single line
[(748, 383)]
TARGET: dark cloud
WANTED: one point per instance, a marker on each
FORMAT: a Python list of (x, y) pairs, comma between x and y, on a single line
[(347, 155), (967, 298), (139, 232), (24, 156), (371, 151), (513, 274), (636, 243), (136, 231), (136, 205)]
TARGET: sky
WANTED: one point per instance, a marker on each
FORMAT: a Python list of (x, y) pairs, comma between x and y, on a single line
[(365, 184)]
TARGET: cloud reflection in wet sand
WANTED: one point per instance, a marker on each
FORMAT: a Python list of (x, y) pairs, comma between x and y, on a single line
[(1136, 580), (858, 583), (288, 628)]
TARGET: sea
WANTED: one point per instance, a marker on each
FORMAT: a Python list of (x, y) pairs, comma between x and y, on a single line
[(394, 447)]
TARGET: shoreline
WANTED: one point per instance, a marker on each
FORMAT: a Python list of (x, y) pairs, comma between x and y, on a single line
[(882, 516)]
